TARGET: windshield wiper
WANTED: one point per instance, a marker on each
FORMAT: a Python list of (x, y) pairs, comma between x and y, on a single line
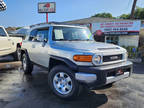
[(73, 40), (76, 40), (89, 40), (61, 40)]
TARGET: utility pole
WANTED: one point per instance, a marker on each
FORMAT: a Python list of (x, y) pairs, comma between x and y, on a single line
[(133, 9)]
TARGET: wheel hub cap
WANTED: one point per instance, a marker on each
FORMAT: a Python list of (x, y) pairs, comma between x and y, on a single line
[(62, 83)]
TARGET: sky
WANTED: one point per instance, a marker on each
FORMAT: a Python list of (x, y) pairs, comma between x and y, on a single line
[(24, 12)]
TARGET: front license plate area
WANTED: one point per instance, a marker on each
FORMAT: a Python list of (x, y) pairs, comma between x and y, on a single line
[(119, 72)]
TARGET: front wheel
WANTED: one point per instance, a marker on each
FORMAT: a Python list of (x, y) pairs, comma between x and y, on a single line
[(26, 64), (62, 82)]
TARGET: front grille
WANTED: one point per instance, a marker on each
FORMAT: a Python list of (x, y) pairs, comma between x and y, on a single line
[(110, 58)]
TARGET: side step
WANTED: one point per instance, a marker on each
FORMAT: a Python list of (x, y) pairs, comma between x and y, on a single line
[(10, 65)]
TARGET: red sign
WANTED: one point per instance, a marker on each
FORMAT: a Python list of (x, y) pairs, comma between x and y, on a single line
[(48, 7)]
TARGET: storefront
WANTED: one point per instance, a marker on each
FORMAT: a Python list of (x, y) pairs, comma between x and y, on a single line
[(122, 33)]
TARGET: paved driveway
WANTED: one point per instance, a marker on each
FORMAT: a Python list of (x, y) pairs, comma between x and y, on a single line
[(20, 91)]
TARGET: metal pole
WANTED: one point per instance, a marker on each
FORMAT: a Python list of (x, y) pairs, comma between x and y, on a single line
[(133, 9), (46, 17)]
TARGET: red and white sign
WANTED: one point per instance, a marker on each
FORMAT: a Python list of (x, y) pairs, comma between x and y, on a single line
[(47, 7), (119, 27)]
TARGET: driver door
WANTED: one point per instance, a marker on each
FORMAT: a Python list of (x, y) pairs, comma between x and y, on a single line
[(40, 47)]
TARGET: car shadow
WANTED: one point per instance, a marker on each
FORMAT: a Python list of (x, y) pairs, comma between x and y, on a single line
[(37, 84), (6, 59)]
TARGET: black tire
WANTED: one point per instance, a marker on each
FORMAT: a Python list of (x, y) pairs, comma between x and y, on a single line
[(75, 86), (17, 54), (27, 66)]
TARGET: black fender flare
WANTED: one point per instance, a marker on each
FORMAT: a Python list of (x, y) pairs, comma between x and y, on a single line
[(68, 62), (23, 50)]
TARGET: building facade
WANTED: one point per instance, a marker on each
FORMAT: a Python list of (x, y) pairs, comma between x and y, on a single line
[(117, 31)]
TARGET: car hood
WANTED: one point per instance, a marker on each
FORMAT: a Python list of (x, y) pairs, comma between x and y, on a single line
[(85, 45)]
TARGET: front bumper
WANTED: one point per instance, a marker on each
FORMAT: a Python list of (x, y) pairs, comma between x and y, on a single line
[(102, 75)]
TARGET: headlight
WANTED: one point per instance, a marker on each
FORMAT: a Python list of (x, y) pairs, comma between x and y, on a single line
[(97, 59)]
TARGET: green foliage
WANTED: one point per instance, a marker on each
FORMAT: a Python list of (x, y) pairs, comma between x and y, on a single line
[(131, 53), (103, 15), (125, 16), (139, 14), (18, 28)]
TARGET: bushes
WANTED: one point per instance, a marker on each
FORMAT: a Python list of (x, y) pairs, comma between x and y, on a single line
[(132, 51)]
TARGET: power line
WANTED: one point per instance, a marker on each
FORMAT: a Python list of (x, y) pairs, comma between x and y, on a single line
[(128, 4)]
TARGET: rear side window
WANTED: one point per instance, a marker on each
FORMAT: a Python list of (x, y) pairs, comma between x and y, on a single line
[(2, 32), (39, 35), (32, 35)]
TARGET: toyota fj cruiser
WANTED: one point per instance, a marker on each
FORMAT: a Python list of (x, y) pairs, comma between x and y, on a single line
[(73, 58)]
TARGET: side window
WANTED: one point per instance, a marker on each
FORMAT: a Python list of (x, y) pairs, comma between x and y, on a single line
[(32, 35), (2, 32), (39, 35)]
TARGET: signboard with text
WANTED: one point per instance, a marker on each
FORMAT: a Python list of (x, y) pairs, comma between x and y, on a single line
[(47, 7), (117, 28)]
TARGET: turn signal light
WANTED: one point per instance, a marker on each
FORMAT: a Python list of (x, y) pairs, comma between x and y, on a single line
[(83, 58)]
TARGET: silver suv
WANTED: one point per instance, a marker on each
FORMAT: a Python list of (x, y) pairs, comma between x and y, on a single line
[(73, 58)]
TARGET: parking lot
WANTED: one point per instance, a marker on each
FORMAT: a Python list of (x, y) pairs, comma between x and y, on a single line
[(20, 91)]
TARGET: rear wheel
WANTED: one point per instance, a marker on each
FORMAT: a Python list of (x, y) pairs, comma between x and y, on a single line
[(26, 64), (62, 82)]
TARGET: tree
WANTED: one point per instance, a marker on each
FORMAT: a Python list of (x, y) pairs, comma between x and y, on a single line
[(125, 16), (138, 14), (103, 15)]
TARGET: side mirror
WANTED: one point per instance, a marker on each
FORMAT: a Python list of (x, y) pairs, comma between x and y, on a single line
[(44, 42), (2, 5)]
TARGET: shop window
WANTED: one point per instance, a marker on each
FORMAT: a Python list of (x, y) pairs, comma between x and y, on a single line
[(112, 39)]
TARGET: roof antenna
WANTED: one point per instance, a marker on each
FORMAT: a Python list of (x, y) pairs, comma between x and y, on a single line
[(2, 5)]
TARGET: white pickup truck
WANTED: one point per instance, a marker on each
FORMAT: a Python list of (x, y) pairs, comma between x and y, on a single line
[(9, 45)]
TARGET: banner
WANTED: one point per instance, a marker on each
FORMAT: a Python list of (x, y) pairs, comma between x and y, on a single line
[(117, 28)]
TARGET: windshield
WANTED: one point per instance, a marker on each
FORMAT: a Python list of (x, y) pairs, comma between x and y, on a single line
[(72, 34)]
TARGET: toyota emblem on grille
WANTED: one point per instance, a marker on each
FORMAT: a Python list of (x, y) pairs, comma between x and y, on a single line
[(114, 57)]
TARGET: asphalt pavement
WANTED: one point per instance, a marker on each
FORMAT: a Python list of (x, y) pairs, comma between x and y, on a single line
[(20, 91)]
